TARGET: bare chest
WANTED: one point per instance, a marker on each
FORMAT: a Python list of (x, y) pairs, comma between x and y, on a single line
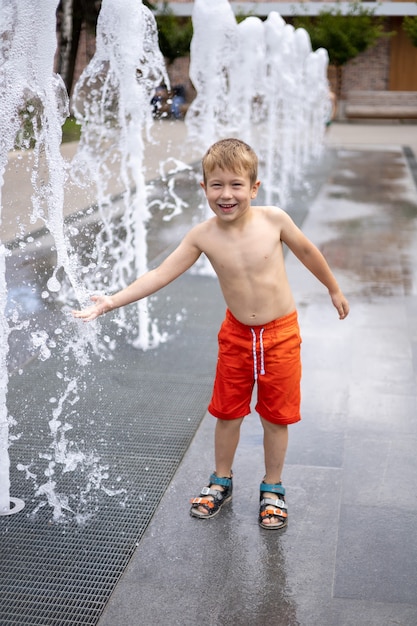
[(248, 254)]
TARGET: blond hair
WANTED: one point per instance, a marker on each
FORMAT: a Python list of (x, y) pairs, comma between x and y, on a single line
[(233, 155)]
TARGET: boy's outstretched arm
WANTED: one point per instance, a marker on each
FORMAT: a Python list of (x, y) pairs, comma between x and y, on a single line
[(312, 258), (182, 258)]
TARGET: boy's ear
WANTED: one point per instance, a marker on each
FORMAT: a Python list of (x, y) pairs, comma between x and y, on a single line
[(255, 189), (202, 185)]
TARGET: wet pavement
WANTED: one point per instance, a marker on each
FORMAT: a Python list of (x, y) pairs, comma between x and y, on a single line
[(349, 554)]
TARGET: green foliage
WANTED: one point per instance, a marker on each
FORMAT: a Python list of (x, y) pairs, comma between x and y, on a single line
[(240, 17), (343, 36), (30, 123), (410, 27), (175, 34), (71, 130)]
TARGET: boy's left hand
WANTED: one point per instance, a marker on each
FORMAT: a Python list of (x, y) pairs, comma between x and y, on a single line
[(341, 304)]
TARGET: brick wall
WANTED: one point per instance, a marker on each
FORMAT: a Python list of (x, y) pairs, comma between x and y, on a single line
[(369, 71)]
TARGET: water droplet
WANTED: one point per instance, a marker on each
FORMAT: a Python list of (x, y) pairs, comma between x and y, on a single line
[(53, 284)]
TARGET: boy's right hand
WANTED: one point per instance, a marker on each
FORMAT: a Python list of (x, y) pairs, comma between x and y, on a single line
[(102, 304)]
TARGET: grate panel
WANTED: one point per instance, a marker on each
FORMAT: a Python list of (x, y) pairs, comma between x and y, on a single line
[(64, 574), (54, 574)]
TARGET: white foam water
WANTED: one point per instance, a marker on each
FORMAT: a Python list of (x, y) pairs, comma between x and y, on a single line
[(30, 95), (261, 82), (111, 102), (33, 107)]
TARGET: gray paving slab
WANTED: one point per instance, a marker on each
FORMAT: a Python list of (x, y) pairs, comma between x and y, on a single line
[(349, 554)]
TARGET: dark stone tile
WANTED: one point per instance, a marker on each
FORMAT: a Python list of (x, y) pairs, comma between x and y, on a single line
[(373, 409), (377, 554), (311, 445), (381, 470)]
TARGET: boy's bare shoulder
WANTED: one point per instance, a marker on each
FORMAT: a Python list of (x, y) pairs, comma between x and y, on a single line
[(272, 213), (202, 227), (197, 234)]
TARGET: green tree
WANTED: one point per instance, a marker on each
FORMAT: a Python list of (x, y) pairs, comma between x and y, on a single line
[(343, 36), (175, 34), (410, 27)]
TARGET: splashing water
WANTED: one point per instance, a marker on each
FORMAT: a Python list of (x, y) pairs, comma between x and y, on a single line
[(30, 95), (212, 51), (66, 456), (33, 106), (111, 102), (279, 103)]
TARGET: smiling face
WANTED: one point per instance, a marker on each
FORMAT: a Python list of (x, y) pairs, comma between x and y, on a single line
[(229, 194)]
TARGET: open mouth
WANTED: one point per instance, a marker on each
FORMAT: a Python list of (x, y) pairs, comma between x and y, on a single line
[(226, 208)]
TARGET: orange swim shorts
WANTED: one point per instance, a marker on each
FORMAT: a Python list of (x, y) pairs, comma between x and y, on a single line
[(268, 355)]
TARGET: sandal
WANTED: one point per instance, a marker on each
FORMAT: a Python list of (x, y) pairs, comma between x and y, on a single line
[(270, 507), (217, 498)]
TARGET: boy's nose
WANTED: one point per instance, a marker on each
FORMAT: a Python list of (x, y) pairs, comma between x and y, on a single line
[(227, 192)]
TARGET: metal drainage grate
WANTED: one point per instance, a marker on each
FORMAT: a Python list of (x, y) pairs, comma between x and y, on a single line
[(139, 413)]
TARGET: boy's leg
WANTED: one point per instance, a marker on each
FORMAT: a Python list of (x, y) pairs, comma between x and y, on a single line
[(275, 449), (226, 438)]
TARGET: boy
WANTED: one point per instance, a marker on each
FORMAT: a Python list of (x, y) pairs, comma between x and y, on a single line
[(259, 339)]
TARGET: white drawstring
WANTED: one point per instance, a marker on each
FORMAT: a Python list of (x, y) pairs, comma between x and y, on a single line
[(255, 368), (255, 359), (261, 345)]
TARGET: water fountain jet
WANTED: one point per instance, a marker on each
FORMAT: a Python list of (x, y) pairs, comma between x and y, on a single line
[(270, 104), (33, 106), (111, 103)]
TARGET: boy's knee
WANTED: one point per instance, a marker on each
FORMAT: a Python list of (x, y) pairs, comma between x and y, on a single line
[(230, 424), (272, 426)]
